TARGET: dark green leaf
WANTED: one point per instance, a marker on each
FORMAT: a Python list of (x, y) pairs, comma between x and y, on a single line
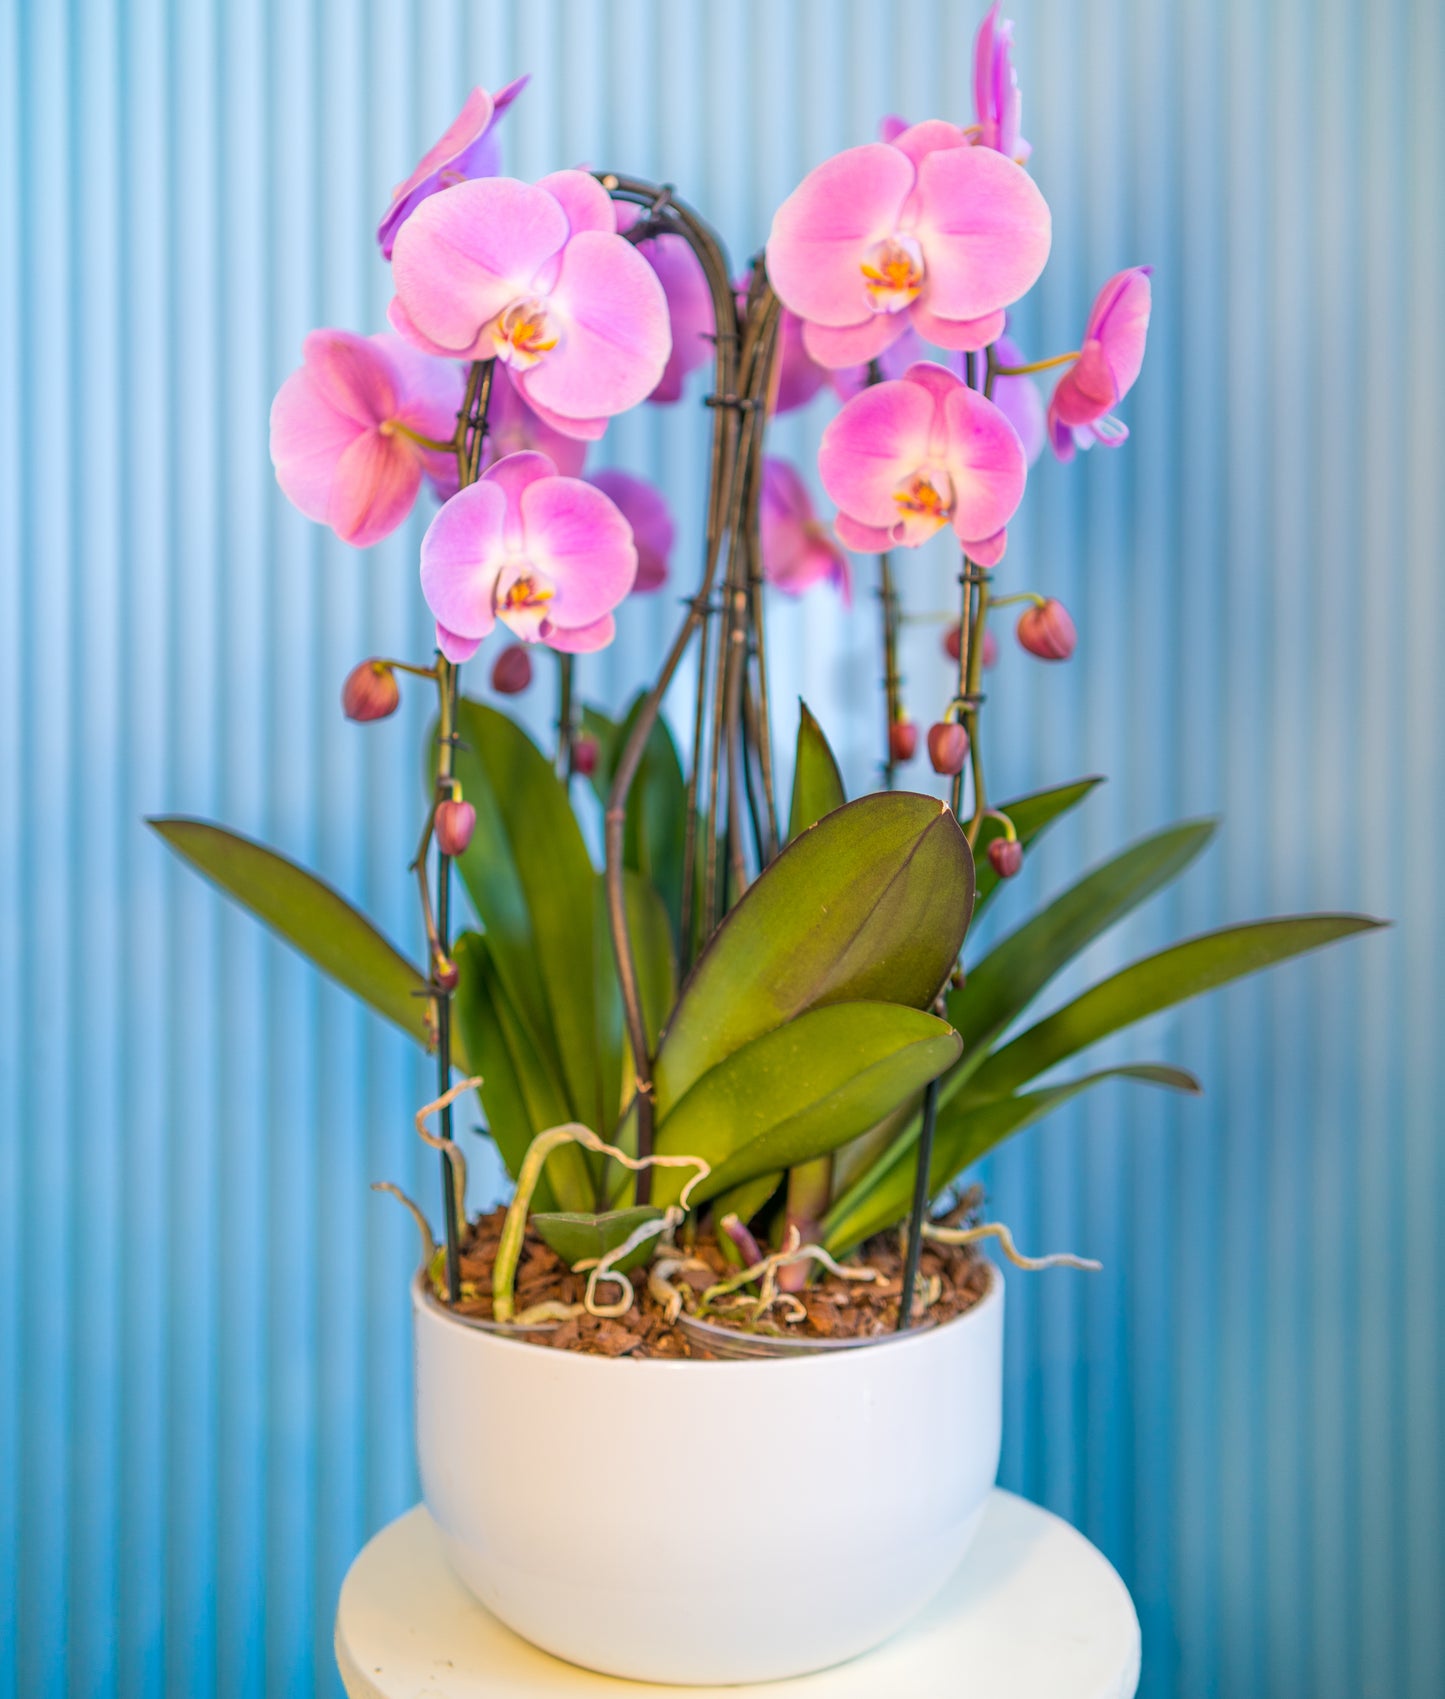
[(656, 806), (817, 783), (1158, 982), (1008, 979), (310, 916), (800, 1091), (577, 1236), (1030, 815), (961, 1138), (870, 904), (528, 874)]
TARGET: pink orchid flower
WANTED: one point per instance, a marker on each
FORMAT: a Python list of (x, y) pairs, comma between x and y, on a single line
[(926, 231), (338, 427), (468, 149), (1018, 399), (536, 276), (643, 507), (797, 376), (798, 548), (997, 103), (549, 557), (689, 304), (1106, 368), (905, 458)]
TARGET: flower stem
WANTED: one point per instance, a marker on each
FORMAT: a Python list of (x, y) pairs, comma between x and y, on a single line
[(1035, 365), (564, 716), (892, 681)]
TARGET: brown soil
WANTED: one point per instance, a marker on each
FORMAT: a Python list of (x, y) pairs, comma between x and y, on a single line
[(835, 1308)]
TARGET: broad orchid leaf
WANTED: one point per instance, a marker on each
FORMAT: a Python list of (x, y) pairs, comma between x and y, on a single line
[(961, 1138), (870, 904), (1158, 982), (531, 881), (1031, 815), (577, 1236), (817, 783), (522, 1095), (310, 916), (654, 828), (1008, 979), (800, 1091)]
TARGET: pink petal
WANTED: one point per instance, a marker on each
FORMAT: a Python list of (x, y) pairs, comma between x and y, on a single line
[(643, 507), (353, 375), (461, 555), (877, 439), (1120, 320), (582, 430), (468, 127), (891, 128), (308, 438), (457, 649), (615, 336), (513, 427), (957, 335), (796, 374), (400, 321), (933, 134), (862, 539), (580, 639), (690, 308), (465, 255), (587, 204), (375, 487), (986, 462), (797, 553), (850, 345), (577, 537), (986, 551), (825, 227), (984, 229)]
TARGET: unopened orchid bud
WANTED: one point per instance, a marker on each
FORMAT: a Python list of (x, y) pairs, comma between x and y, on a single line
[(1046, 630), (584, 756), (445, 972), (902, 740), (953, 645), (454, 821), (512, 670), (370, 692), (1006, 856), (947, 747)]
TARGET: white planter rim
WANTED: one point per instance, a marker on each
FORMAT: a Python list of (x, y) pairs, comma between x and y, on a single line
[(916, 1338)]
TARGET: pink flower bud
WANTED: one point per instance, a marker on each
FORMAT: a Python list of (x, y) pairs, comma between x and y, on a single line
[(953, 645), (454, 822), (584, 756), (902, 741), (370, 692), (445, 972), (1046, 630), (1006, 856), (947, 747), (512, 670)]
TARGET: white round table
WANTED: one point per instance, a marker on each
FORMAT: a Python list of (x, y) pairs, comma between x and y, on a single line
[(1034, 1612)]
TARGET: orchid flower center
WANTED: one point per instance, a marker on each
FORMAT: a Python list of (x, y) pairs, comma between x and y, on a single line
[(521, 334), (925, 495), (893, 274), (522, 595)]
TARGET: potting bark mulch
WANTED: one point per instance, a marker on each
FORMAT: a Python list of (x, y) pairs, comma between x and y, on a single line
[(835, 1308)]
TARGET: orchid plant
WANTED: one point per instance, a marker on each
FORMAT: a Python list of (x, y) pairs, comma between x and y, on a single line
[(751, 1019)]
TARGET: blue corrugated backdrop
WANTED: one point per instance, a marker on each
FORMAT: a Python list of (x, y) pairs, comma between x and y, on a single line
[(204, 1350)]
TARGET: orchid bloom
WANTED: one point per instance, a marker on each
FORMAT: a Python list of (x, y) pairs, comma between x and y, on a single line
[(1018, 399), (1106, 368), (468, 149), (905, 458), (997, 103), (643, 507), (549, 557), (798, 548), (689, 303), (339, 431), (797, 376), (535, 275), (926, 231)]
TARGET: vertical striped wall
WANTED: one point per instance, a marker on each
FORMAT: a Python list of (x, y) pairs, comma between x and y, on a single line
[(201, 1416)]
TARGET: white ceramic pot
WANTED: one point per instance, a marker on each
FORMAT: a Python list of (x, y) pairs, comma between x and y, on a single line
[(707, 1523)]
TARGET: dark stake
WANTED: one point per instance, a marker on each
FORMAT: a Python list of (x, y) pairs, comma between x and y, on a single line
[(920, 1206)]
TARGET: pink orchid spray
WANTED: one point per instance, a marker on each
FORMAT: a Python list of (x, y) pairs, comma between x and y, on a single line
[(1108, 364)]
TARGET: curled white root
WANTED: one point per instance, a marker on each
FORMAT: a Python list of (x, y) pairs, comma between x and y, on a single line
[(605, 1267), (423, 1226), (997, 1230), (765, 1274), (450, 1146), (659, 1282), (551, 1311)]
